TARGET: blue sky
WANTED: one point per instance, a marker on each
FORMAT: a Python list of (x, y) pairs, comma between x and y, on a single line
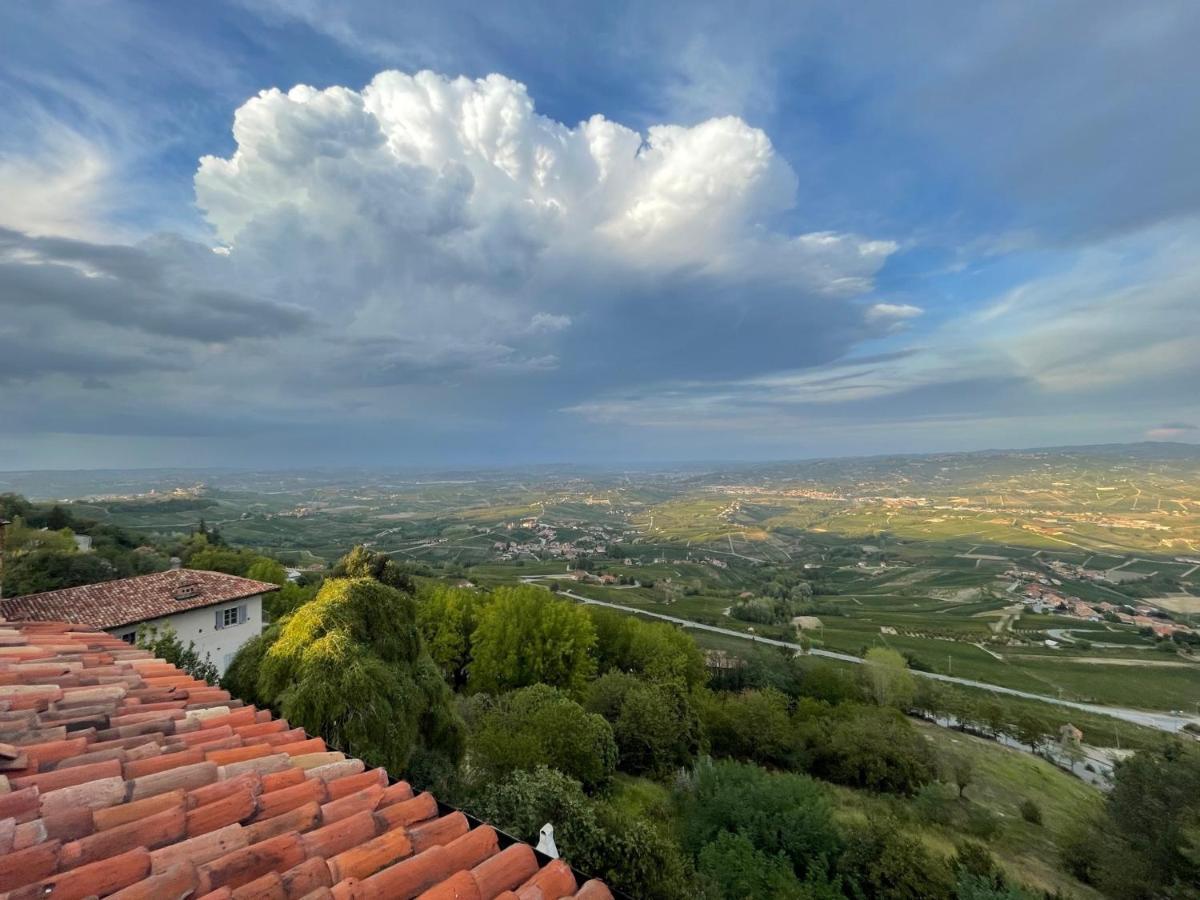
[(294, 233)]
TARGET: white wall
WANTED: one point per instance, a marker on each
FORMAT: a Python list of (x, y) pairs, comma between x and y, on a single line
[(199, 625)]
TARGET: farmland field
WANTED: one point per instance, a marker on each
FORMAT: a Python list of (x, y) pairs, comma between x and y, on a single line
[(934, 556)]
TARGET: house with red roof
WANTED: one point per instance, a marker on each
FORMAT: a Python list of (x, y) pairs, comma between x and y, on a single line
[(216, 611)]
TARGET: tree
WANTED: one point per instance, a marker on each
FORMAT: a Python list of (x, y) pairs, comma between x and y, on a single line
[(777, 813), (885, 862), (627, 852), (961, 767), (448, 618), (165, 644), (753, 725), (527, 636), (874, 748), (541, 726), (731, 866), (268, 570), (888, 681), (49, 570), (351, 666), (1153, 823), (1032, 729), (655, 650), (363, 563), (654, 725)]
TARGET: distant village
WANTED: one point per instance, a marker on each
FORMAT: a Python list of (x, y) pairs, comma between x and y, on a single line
[(1042, 593)]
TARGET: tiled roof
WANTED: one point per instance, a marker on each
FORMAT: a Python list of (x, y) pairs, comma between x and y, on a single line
[(111, 604), (123, 777)]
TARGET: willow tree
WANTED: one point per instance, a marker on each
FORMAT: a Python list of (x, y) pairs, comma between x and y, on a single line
[(350, 665)]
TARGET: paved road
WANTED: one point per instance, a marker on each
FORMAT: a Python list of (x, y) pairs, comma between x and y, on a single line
[(1161, 721)]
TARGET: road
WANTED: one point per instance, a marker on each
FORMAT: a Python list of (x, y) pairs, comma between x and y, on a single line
[(1146, 718)]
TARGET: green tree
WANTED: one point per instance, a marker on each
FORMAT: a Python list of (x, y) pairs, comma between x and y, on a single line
[(777, 813), (448, 617), (165, 644), (654, 650), (541, 726), (883, 861), (1149, 834), (731, 866), (527, 636), (363, 563), (874, 748), (351, 666), (888, 681), (753, 725), (48, 570), (629, 853), (655, 728), (268, 570)]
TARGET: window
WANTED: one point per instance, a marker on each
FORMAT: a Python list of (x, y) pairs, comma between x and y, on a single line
[(229, 617), (129, 637)]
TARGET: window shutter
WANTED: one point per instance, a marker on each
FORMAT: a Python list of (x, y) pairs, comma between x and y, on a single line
[(218, 623), (243, 614)]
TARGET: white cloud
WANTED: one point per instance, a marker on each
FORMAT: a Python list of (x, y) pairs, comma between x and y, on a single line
[(891, 312), (423, 192), (60, 188)]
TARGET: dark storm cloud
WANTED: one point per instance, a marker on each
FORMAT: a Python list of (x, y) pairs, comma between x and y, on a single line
[(129, 287)]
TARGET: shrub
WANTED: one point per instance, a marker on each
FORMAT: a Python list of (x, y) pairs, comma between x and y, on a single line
[(540, 726), (1031, 812)]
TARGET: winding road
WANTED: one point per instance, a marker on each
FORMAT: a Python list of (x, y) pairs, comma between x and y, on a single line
[(1160, 720)]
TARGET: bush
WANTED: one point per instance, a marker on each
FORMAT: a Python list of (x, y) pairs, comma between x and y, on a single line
[(655, 728), (777, 813), (885, 862), (627, 852), (540, 726), (1031, 812), (981, 822)]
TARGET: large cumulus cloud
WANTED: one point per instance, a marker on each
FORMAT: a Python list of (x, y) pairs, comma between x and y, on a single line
[(432, 256), (449, 217)]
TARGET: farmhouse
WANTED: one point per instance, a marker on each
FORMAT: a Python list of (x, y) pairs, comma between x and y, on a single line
[(218, 612)]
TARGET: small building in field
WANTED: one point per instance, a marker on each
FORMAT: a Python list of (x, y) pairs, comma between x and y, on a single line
[(217, 612)]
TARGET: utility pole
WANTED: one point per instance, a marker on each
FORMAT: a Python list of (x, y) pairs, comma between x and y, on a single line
[(3, 524)]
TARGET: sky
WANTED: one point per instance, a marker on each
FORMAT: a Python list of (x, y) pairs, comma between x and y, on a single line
[(305, 232)]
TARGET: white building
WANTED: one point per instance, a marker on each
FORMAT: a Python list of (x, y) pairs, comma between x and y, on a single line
[(217, 612)]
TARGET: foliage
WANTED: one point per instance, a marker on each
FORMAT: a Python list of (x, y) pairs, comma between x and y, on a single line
[(731, 866), (874, 748), (268, 570), (654, 725), (241, 675), (883, 861), (654, 650), (1146, 843), (527, 636), (1031, 812), (165, 644), (779, 814), (448, 617), (288, 599), (888, 681), (223, 559), (753, 725), (50, 570), (627, 852), (350, 666), (541, 726), (363, 563)]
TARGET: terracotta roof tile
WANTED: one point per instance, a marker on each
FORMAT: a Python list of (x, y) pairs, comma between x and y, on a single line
[(125, 601), (129, 779)]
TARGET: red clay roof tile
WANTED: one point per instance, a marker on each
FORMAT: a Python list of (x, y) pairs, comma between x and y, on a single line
[(133, 780)]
